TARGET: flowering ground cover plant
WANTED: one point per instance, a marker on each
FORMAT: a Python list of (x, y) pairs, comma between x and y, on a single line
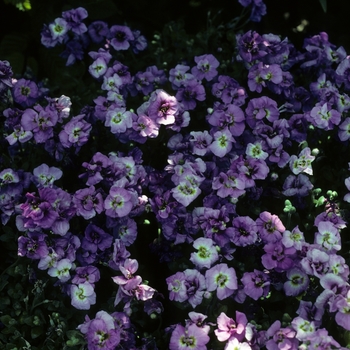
[(200, 202)]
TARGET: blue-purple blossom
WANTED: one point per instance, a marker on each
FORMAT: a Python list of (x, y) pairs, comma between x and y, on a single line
[(221, 279), (188, 338), (120, 37), (45, 176), (256, 284), (82, 295), (5, 75), (74, 19), (206, 67), (206, 254), (297, 282), (76, 132), (229, 328), (25, 92)]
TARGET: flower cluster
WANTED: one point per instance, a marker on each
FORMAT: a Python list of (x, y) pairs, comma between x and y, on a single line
[(213, 177)]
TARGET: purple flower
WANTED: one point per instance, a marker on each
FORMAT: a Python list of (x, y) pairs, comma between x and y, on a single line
[(74, 19), (33, 246), (58, 31), (256, 284), (282, 338), (98, 31), (206, 254), (195, 286), (89, 274), (45, 176), (82, 296), (74, 51), (293, 239), (186, 192), (344, 130), (119, 202), (188, 94), (76, 132), (118, 119), (40, 121), (222, 143), (302, 163), (88, 202), (206, 67), (304, 328), (39, 211), (277, 257), (120, 37), (5, 75), (250, 46), (102, 332), (61, 270), (25, 92), (270, 227), (95, 238), (298, 282), (261, 108), (299, 185), (223, 279), (229, 328), (125, 230), (188, 338), (316, 262), (258, 9), (162, 107), (328, 237), (139, 43), (244, 231), (324, 118), (98, 68), (177, 287), (178, 76)]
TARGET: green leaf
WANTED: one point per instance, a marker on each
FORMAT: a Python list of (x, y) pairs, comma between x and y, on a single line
[(36, 332), (324, 5)]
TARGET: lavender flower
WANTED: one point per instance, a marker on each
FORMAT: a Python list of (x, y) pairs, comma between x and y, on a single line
[(45, 176), (120, 36), (256, 284), (25, 92), (223, 279), (76, 132), (189, 337), (5, 75), (82, 296), (206, 67)]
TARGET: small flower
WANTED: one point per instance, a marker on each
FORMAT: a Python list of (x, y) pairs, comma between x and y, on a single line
[(206, 67), (222, 143), (206, 255), (82, 295), (229, 328), (61, 270), (223, 279), (298, 281), (188, 338), (119, 202), (121, 36)]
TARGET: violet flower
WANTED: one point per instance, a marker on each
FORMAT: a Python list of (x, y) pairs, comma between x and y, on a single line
[(82, 296), (25, 92), (206, 67), (223, 279), (256, 284), (120, 36), (188, 338)]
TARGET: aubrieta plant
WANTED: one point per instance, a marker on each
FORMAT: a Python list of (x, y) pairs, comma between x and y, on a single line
[(200, 203)]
